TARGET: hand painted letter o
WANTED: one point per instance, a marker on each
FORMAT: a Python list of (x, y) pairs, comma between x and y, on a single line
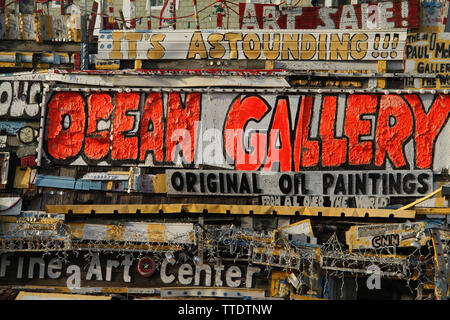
[(97, 143), (66, 124)]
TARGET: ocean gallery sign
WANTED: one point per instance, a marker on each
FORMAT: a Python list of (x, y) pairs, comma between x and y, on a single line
[(248, 132), (126, 271), (249, 183)]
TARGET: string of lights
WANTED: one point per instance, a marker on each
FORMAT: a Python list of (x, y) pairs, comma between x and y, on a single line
[(235, 243)]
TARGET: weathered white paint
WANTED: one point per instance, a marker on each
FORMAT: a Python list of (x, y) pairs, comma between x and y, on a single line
[(20, 98), (312, 45), (134, 232)]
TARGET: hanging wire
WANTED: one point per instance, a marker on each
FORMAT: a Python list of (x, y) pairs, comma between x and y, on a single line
[(239, 244), (140, 18)]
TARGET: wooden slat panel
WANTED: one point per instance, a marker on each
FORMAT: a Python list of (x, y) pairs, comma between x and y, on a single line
[(229, 209)]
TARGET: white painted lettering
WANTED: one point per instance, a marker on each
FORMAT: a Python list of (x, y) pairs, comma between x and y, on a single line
[(74, 280), (53, 268), (164, 277)]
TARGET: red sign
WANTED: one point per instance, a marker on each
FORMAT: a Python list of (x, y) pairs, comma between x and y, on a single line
[(257, 132), (299, 151), (381, 15)]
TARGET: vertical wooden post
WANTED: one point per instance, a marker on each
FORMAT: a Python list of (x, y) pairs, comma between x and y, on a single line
[(200, 248), (381, 68), (440, 267), (84, 52), (219, 16), (149, 14), (197, 23), (111, 14), (38, 7), (270, 64), (132, 14), (129, 13), (137, 64), (174, 15), (93, 19)]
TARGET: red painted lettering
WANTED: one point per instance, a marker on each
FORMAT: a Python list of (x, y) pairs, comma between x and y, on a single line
[(394, 127), (124, 143), (182, 125), (152, 128), (359, 152), (334, 151), (241, 112), (428, 125), (280, 149), (97, 141), (306, 151), (66, 118), (115, 127)]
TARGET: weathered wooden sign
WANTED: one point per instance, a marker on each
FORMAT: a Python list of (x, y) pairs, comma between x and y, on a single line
[(124, 271), (386, 235), (126, 182), (381, 15), (250, 183), (134, 232), (4, 169), (252, 45), (301, 230), (39, 28), (248, 132), (428, 53), (20, 99), (433, 15)]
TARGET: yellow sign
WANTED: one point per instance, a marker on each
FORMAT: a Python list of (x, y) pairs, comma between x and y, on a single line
[(252, 45), (428, 54), (379, 236)]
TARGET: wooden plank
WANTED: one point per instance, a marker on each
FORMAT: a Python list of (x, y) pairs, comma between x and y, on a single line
[(312, 45), (377, 236), (93, 19), (431, 211), (432, 194), (229, 293), (22, 178), (134, 232), (38, 27), (4, 169), (33, 46), (25, 59), (159, 183), (24, 295), (228, 209), (68, 172), (327, 65), (294, 296), (83, 291), (107, 64)]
